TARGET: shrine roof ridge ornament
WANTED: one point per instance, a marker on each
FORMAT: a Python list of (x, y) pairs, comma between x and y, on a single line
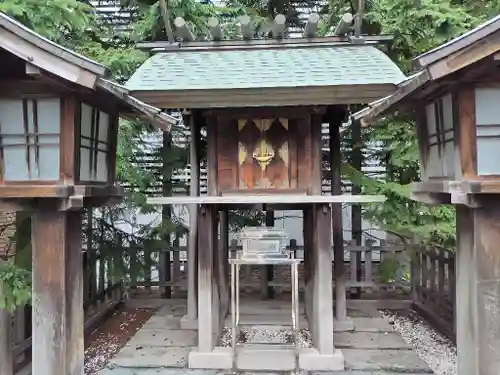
[(461, 59), (48, 58), (186, 40)]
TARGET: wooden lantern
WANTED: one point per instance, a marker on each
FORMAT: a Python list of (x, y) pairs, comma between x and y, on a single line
[(55, 141), (58, 136), (455, 99)]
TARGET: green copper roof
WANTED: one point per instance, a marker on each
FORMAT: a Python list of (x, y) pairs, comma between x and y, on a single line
[(265, 68)]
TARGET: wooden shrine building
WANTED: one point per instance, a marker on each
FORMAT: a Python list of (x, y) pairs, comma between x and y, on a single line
[(454, 101), (58, 138), (262, 103)]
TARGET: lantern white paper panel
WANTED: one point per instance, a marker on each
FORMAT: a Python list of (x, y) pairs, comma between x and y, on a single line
[(488, 131), (451, 156), (32, 153), (434, 166), (49, 122), (85, 143), (94, 142), (442, 158)]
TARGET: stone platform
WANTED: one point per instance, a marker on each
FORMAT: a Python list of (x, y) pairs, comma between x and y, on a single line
[(161, 347)]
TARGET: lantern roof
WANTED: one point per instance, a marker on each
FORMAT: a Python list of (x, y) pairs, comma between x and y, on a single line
[(55, 60), (278, 74), (466, 58)]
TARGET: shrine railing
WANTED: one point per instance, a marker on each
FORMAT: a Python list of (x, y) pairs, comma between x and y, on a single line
[(380, 271), (434, 286)]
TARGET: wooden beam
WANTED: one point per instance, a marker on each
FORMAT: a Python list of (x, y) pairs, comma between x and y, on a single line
[(35, 88), (182, 30), (33, 70), (311, 25), (266, 112), (265, 97), (246, 27), (54, 63), (312, 41), (279, 26), (467, 143), (344, 24), (268, 199), (215, 29)]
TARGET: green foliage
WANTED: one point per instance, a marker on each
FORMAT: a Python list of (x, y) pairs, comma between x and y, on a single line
[(15, 286)]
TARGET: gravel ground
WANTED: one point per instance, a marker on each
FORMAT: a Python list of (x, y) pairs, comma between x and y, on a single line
[(271, 336), (435, 349), (107, 340)]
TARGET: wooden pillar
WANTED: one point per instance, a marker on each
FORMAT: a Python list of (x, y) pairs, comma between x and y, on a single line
[(337, 225), (166, 215), (207, 356), (57, 293), (322, 279), (223, 275), (478, 288), (308, 271), (356, 213), (194, 191), (206, 279), (267, 272)]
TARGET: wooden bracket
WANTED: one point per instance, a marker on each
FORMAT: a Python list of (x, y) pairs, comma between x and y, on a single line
[(469, 200), (430, 198), (73, 203)]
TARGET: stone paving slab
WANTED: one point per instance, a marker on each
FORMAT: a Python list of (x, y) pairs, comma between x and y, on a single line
[(147, 357), (372, 325), (370, 340), (406, 361), (271, 319), (173, 309), (164, 371), (164, 337), (162, 322)]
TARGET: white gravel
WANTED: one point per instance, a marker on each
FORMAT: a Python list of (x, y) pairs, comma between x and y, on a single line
[(435, 349), (271, 335)]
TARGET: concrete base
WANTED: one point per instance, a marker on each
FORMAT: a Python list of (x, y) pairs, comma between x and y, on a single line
[(219, 358), (343, 325), (189, 323), (265, 359), (311, 360)]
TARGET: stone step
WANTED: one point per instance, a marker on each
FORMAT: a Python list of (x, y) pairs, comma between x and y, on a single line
[(268, 320), (265, 358), (179, 371), (398, 361), (370, 340)]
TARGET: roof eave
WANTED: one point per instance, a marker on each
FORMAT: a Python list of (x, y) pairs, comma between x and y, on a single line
[(138, 109), (45, 44), (456, 44), (377, 109)]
